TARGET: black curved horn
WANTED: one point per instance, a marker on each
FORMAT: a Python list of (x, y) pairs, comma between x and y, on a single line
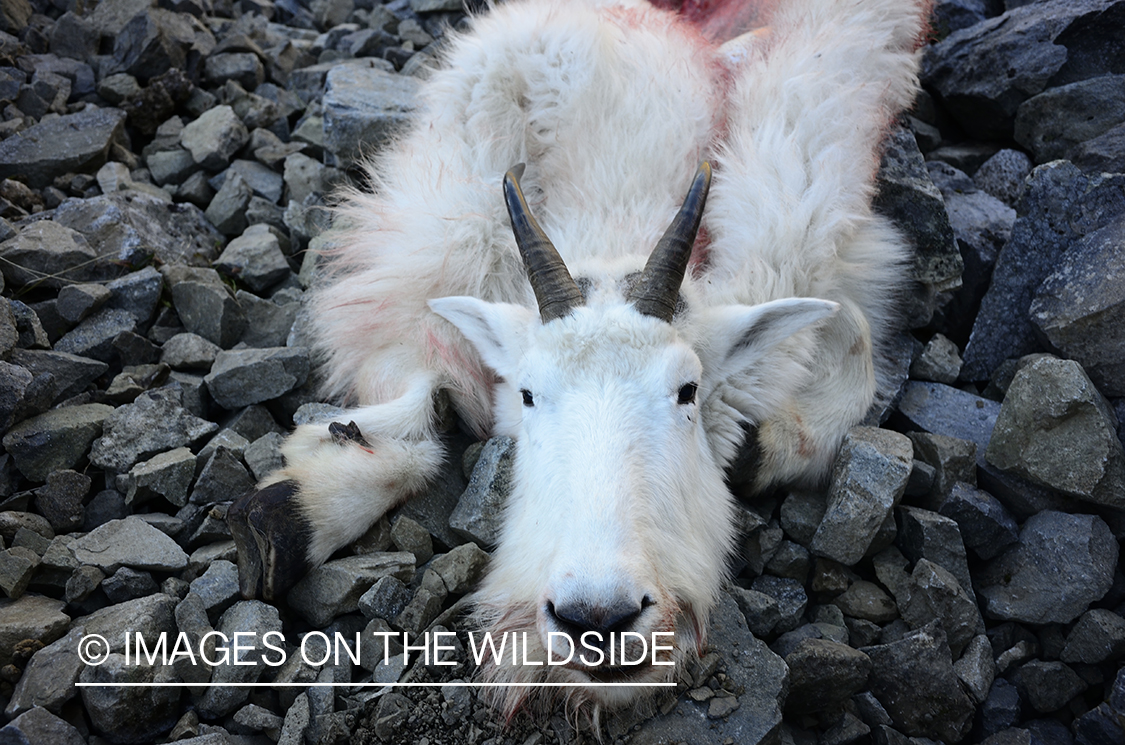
[(656, 292), (554, 288)]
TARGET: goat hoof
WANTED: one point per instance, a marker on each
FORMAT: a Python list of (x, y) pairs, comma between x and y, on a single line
[(272, 538), (345, 433)]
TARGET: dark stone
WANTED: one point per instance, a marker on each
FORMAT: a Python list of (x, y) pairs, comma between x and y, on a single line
[(1061, 564), (914, 680), (987, 528), (1052, 124), (823, 675), (906, 195), (927, 535), (60, 500), (68, 144), (1001, 709), (983, 73), (1047, 686), (1080, 307), (1060, 206)]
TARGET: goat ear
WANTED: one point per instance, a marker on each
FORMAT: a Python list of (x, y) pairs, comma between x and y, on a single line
[(497, 330), (741, 337)]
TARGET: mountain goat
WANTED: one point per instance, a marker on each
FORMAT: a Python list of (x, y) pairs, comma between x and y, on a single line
[(628, 376)]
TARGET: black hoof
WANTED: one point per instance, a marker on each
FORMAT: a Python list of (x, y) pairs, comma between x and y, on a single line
[(345, 433), (272, 538)]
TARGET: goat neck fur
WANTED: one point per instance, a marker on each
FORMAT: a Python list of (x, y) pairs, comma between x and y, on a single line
[(612, 105)]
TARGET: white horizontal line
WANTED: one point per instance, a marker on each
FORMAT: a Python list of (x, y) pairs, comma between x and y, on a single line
[(377, 685)]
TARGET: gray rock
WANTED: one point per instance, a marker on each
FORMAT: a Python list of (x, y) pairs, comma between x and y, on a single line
[(16, 568), (73, 143), (867, 601), (30, 617), (1098, 636), (479, 512), (94, 338), (1061, 564), (154, 423), (131, 542), (1003, 328), (223, 478), (264, 181), (385, 600), (217, 587), (914, 680), (242, 67), (60, 499), (227, 439), (1052, 123), (460, 569), (790, 596), (334, 589), (1001, 708), (55, 440), (976, 669), (935, 593), (867, 482), (761, 676), (134, 714), (986, 527), (21, 395), (939, 362), (128, 584), (41, 726), (1003, 175), (953, 461), (1038, 45), (78, 301), (248, 376), (1080, 307), (801, 515), (1102, 154), (214, 137), (46, 253), (171, 167), (363, 107), (255, 258), (30, 328), (409, 536), (312, 413), (1048, 686), (1056, 429), (823, 675), (206, 307), (128, 228), (263, 456), (760, 610), (246, 665), (268, 324), (167, 475), (928, 535), (906, 194), (940, 409), (48, 680), (303, 177), (188, 351), (227, 210)]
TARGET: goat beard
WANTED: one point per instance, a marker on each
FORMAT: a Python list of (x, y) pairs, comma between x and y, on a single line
[(524, 690)]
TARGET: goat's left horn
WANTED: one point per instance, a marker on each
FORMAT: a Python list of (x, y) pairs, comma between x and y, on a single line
[(555, 289), (656, 292)]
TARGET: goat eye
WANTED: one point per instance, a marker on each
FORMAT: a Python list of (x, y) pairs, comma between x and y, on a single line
[(687, 393), (527, 399)]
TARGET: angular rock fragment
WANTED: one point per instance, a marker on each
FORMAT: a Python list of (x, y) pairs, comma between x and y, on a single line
[(1061, 564), (249, 376), (130, 542), (1057, 430), (363, 107), (335, 588), (1080, 307), (867, 482)]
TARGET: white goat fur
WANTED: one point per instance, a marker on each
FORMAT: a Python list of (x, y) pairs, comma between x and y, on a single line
[(612, 105)]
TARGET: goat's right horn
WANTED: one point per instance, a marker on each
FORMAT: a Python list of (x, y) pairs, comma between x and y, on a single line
[(656, 292), (555, 290)]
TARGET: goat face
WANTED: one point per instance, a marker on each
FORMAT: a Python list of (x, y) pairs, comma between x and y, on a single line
[(619, 519)]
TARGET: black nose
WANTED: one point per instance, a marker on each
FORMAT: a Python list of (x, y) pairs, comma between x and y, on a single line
[(575, 618)]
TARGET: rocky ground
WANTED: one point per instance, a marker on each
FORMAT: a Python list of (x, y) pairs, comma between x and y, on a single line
[(164, 169)]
